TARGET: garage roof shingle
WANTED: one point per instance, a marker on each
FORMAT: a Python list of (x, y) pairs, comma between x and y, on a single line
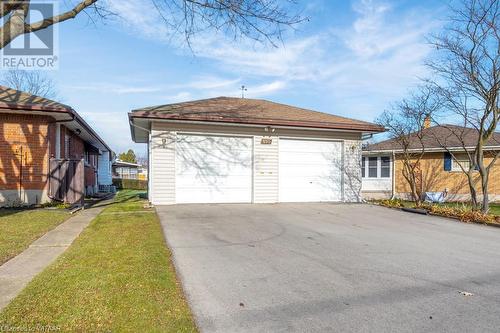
[(251, 111)]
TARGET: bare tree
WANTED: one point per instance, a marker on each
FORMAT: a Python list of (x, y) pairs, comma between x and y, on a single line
[(458, 142), (406, 124), (34, 82), (256, 19), (467, 65)]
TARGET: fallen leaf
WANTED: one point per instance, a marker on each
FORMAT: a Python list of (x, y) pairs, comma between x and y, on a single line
[(466, 293)]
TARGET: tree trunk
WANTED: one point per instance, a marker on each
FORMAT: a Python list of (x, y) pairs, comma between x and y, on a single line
[(409, 174), (473, 193), (486, 201)]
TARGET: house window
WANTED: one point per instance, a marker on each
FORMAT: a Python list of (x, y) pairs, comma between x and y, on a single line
[(464, 162), (385, 167), (363, 166), (372, 167), (377, 167)]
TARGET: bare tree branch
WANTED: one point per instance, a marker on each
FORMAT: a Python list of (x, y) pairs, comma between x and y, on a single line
[(34, 82), (70, 14), (261, 20), (468, 75), (405, 124)]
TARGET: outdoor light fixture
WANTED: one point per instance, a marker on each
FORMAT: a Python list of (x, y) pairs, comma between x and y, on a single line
[(78, 131), (269, 129)]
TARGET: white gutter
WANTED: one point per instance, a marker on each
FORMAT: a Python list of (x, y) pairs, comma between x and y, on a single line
[(215, 123), (427, 150)]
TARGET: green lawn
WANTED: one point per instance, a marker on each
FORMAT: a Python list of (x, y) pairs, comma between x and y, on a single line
[(116, 277), (19, 228)]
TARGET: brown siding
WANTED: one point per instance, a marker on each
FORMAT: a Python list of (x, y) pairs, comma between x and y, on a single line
[(77, 146), (29, 134), (435, 178), (89, 176)]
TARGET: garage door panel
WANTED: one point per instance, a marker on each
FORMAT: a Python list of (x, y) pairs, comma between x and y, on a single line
[(213, 169), (212, 195), (310, 170)]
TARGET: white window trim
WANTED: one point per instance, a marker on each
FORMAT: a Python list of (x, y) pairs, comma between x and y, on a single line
[(379, 167), (455, 167)]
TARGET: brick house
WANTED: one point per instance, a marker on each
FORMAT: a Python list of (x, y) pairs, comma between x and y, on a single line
[(47, 151), (438, 171)]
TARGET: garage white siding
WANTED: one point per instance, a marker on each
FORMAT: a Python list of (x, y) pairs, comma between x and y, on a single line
[(266, 158), (267, 165), (213, 169), (163, 167), (310, 170), (352, 170)]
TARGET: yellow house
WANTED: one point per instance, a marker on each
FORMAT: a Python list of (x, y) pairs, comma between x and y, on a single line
[(438, 169)]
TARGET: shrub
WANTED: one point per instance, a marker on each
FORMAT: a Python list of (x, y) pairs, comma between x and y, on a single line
[(56, 204), (130, 184)]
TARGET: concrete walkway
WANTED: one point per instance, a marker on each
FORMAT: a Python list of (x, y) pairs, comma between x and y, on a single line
[(16, 273)]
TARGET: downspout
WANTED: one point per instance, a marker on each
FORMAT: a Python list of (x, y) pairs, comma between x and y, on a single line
[(393, 196)]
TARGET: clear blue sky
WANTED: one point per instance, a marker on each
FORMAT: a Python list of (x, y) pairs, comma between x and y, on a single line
[(353, 58)]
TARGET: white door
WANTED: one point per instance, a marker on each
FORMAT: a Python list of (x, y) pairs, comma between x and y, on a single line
[(310, 170), (211, 169)]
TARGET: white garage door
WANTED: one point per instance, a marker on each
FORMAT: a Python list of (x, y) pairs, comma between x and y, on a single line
[(212, 169), (310, 170)]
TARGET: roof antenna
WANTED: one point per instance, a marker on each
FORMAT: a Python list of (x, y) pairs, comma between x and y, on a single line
[(243, 89)]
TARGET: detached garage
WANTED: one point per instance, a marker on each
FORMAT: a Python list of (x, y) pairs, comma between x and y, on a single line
[(236, 150)]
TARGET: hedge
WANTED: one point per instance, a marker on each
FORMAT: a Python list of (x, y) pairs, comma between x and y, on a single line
[(130, 184)]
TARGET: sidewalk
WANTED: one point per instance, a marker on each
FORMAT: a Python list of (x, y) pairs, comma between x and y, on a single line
[(16, 273)]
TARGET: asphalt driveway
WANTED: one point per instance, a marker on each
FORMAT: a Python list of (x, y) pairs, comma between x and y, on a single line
[(330, 267)]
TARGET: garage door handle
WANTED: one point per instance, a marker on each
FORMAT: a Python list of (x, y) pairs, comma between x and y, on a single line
[(310, 182)]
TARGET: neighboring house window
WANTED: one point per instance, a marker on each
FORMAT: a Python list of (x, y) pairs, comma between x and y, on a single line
[(372, 167), (385, 167), (464, 162), (378, 167)]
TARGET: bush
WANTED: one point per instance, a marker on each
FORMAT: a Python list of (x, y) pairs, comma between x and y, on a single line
[(130, 184), (56, 204)]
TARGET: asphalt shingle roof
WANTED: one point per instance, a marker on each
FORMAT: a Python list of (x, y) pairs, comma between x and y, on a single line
[(252, 111), (20, 99), (436, 137)]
